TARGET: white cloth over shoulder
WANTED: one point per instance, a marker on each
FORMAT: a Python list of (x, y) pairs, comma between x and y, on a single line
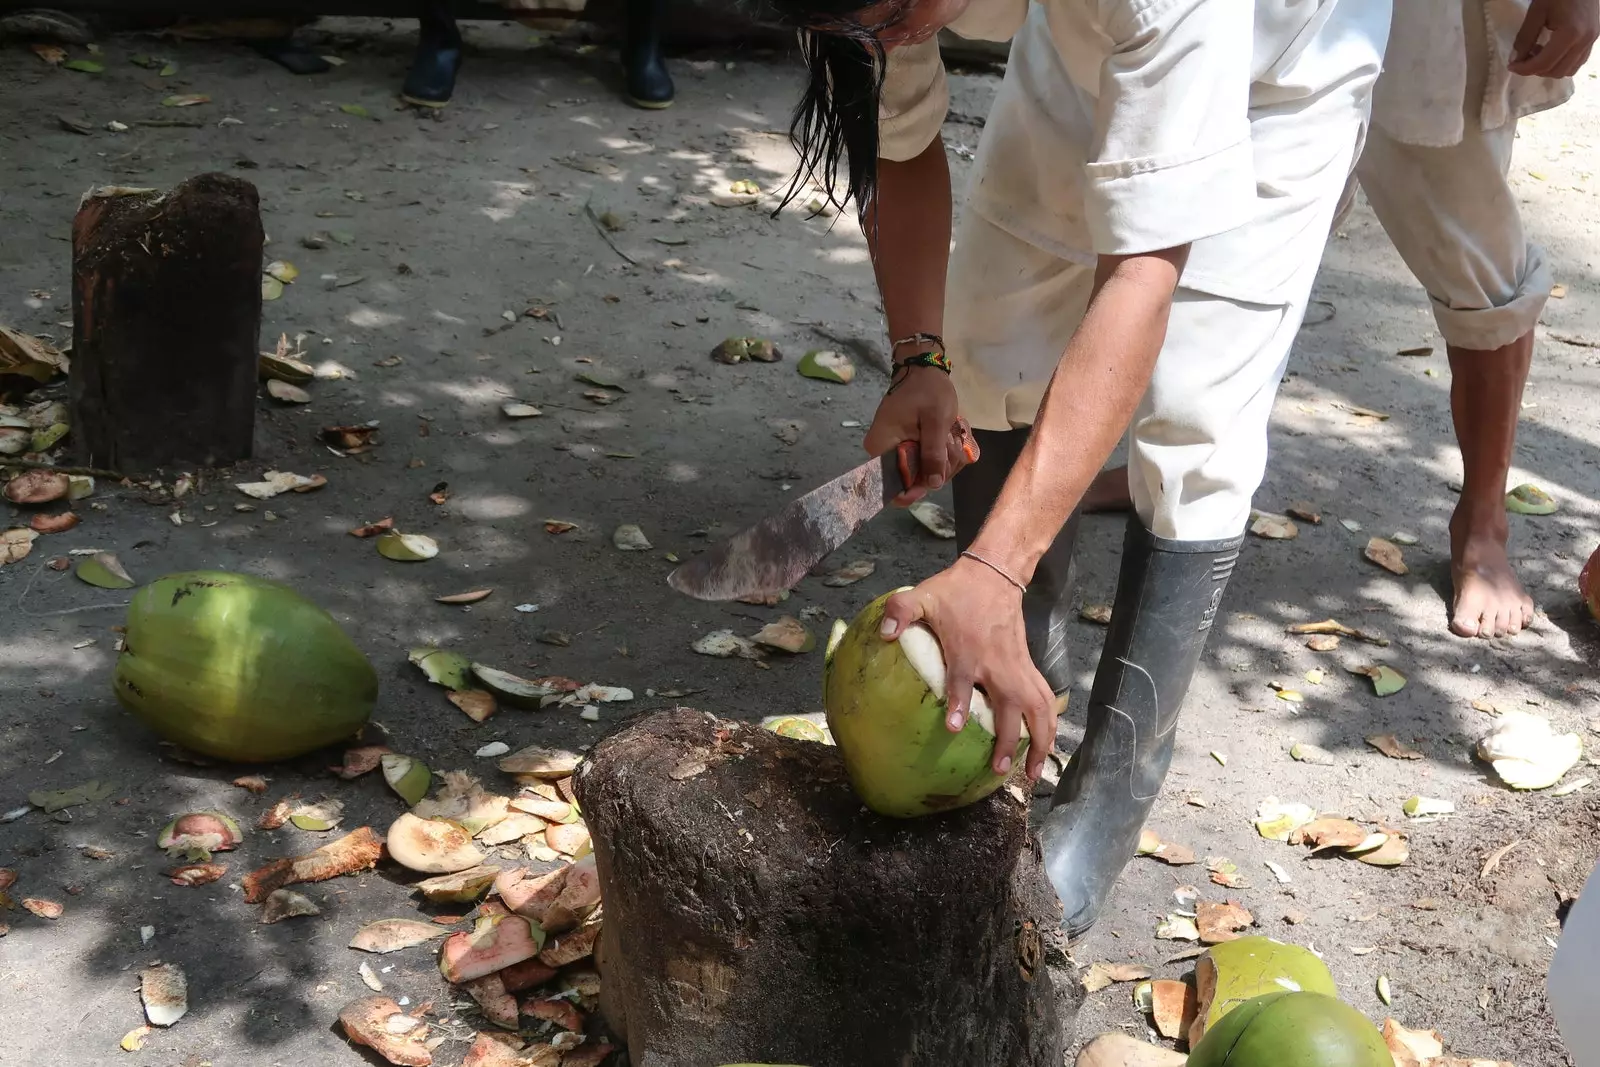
[(1418, 99)]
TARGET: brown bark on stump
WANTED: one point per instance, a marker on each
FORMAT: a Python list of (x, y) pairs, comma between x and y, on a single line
[(166, 298), (755, 912)]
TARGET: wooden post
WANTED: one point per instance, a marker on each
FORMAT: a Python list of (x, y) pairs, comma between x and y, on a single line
[(166, 298), (755, 912)]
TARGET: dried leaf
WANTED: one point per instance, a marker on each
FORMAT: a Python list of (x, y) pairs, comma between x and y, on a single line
[(1322, 642), (1330, 833), (559, 526), (407, 548), (1492, 861), (1274, 527), (1101, 975), (517, 410), (194, 874), (1220, 922), (1178, 928), (1307, 753), (1173, 855), (186, 100), (359, 761), (54, 800), (1276, 820), (1419, 807), (629, 538), (1387, 555), (1333, 626), (372, 529), (850, 573), (284, 904), (1305, 511), (391, 935), (15, 545), (935, 518), (134, 1039), (1393, 747), (44, 909), (1294, 696), (475, 704)]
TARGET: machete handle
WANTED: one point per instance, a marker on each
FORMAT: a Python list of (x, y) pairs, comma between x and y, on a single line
[(906, 453)]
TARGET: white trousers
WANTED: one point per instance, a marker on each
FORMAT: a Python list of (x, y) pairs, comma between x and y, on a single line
[(1574, 982)]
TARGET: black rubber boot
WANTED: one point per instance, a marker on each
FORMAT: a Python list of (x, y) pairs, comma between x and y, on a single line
[(644, 71), (1168, 593), (1046, 606), (432, 80)]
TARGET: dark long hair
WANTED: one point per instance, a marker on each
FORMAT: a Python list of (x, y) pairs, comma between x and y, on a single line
[(836, 121)]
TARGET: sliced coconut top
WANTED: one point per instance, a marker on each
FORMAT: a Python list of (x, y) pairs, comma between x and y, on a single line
[(921, 649)]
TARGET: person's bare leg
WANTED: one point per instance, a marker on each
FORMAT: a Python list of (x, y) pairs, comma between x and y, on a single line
[(1108, 492), (1485, 401)]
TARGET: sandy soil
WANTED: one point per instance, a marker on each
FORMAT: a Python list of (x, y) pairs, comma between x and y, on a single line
[(461, 222)]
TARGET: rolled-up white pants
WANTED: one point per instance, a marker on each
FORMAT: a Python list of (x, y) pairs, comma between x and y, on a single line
[(1574, 982)]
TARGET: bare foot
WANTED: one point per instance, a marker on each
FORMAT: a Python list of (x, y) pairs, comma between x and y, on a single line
[(1108, 492), (1490, 602)]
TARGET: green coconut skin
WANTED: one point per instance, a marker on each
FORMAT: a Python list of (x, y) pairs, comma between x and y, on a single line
[(902, 760), (240, 668), (1292, 1030)]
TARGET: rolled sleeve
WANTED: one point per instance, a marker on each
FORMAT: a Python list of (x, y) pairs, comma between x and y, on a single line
[(1171, 162), (915, 101)]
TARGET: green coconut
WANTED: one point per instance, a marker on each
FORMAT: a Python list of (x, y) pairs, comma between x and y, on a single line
[(885, 702), (1292, 1030), (240, 668), (1236, 972)]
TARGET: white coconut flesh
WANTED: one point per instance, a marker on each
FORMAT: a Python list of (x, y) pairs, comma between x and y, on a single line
[(922, 651)]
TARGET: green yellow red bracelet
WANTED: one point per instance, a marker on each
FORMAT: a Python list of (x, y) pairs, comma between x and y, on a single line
[(936, 360)]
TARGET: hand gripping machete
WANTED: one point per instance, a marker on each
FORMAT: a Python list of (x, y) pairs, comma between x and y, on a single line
[(775, 553)]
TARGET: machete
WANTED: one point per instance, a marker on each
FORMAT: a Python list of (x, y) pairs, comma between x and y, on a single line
[(775, 553)]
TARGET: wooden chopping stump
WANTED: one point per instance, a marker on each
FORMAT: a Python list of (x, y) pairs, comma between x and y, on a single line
[(755, 912), (166, 300)]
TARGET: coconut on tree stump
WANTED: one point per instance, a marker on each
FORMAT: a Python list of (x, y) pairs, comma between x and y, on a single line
[(756, 912), (166, 297)]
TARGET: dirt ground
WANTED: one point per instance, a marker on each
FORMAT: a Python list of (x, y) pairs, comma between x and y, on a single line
[(449, 228)]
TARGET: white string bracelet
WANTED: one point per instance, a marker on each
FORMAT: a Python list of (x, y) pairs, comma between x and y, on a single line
[(997, 569)]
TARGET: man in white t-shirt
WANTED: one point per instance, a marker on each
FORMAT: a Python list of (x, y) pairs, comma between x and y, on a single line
[(1457, 76), (1152, 194)]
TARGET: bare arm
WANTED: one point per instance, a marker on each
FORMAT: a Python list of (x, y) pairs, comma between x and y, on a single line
[(1093, 394), (908, 232)]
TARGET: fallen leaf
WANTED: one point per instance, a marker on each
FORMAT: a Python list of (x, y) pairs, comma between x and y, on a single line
[(1101, 975), (52, 54), (1419, 807), (1568, 788), (1529, 499), (559, 526), (1293, 696), (1322, 642), (1226, 873), (1342, 834), (134, 1039), (1333, 626), (1386, 681), (725, 644), (1178, 928), (1387, 555), (1096, 613), (517, 410), (379, 1023), (186, 100), (786, 634), (1274, 527), (827, 366), (284, 904), (84, 66), (1392, 746), (1526, 753), (391, 935), (629, 538), (1173, 855), (935, 518), (1361, 412), (1384, 993), (44, 909), (54, 800), (1220, 922), (1276, 820), (1305, 511), (475, 704), (1494, 858), (1278, 872), (356, 851), (357, 111), (407, 548), (372, 529), (1307, 753), (602, 381), (850, 573), (193, 874)]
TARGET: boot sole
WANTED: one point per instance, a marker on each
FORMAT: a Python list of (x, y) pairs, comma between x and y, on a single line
[(416, 102), (650, 105)]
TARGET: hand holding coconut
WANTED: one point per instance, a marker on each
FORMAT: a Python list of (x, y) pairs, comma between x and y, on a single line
[(976, 613)]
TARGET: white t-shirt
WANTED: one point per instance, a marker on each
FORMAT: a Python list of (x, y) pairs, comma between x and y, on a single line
[(1127, 126)]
